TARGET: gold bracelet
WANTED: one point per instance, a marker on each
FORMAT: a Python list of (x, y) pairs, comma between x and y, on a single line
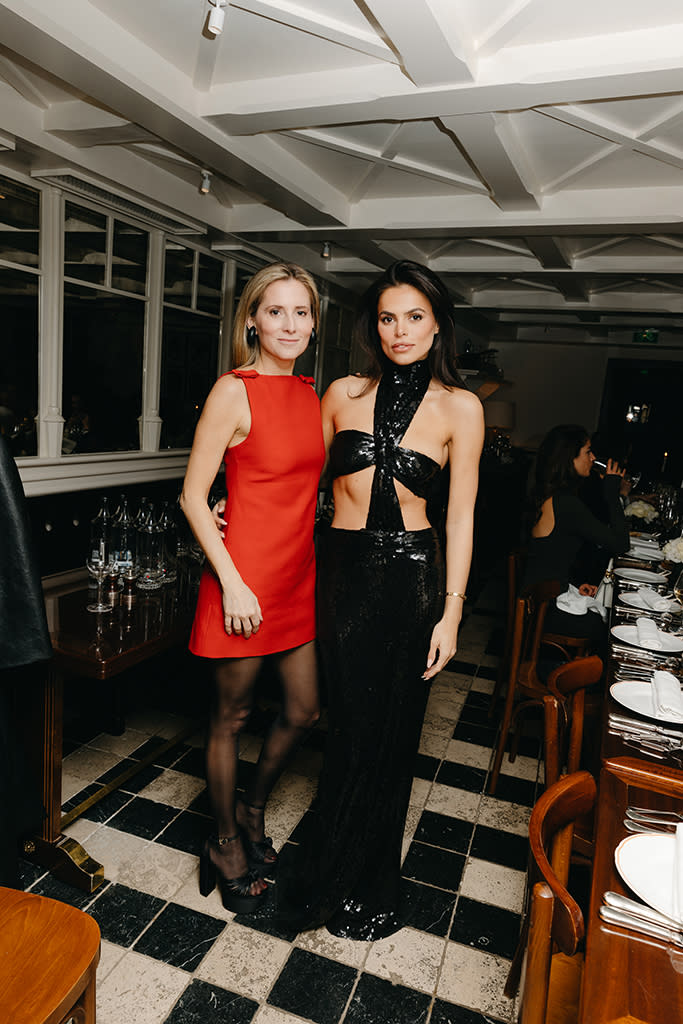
[(454, 593)]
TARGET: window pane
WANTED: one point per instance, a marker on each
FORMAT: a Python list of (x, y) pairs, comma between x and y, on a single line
[(102, 394), (188, 371), (19, 223), (178, 274), (19, 360), (85, 243), (209, 284), (129, 264)]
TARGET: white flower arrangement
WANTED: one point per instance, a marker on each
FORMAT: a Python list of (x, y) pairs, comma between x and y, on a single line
[(673, 549), (641, 510)]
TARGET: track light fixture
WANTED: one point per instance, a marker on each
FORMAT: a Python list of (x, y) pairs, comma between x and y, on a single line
[(217, 16), (326, 251), (205, 186)]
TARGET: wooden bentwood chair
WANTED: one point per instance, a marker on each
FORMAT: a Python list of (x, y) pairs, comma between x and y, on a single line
[(49, 953), (551, 984)]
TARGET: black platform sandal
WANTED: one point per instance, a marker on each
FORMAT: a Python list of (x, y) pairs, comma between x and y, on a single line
[(261, 853), (234, 891)]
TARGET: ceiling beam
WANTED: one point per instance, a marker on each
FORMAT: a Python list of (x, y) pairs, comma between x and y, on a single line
[(482, 138), (434, 54), (548, 252), (507, 26)]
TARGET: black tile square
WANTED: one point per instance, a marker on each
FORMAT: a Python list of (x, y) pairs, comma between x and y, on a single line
[(142, 778), (180, 937), (426, 767), (264, 918), (192, 762), (147, 748), (471, 732), (144, 818), (201, 804), (442, 868), (377, 1001), (517, 791), (51, 887), (491, 929), (108, 806), (500, 847), (117, 769), (201, 1002), (426, 908), (82, 794), (466, 668), (487, 672), (187, 832), (245, 773), (123, 913), (303, 830), (462, 776), (496, 644), (29, 873), (449, 1013), (441, 830), (169, 757), (313, 987)]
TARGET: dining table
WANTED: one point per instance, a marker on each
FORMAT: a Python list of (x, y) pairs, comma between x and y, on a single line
[(629, 977), (97, 647)]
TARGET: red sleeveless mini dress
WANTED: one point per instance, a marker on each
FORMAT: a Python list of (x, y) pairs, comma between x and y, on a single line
[(272, 487)]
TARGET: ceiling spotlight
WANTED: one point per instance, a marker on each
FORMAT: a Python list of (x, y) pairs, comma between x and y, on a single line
[(326, 251), (217, 16), (205, 186)]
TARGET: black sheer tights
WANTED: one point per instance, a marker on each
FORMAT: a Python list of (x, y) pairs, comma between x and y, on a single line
[(234, 687)]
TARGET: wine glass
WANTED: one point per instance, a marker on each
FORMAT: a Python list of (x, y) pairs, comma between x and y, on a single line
[(678, 588), (98, 567)]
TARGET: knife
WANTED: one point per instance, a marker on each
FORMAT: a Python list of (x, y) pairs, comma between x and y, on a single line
[(635, 923), (619, 902)]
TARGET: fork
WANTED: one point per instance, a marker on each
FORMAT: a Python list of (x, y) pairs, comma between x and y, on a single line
[(648, 812)]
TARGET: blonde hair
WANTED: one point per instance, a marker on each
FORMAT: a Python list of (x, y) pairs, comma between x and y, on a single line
[(243, 354)]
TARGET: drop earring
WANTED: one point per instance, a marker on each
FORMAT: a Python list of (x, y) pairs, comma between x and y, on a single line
[(313, 338), (252, 337)]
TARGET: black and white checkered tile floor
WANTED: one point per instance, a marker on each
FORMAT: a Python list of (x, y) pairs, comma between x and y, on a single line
[(168, 955)]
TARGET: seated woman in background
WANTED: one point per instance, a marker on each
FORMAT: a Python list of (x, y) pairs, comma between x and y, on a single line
[(562, 523)]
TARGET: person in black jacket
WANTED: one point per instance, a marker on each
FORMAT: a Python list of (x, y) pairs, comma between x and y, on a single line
[(24, 641), (562, 523)]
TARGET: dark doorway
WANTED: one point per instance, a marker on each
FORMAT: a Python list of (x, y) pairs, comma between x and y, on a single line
[(640, 417)]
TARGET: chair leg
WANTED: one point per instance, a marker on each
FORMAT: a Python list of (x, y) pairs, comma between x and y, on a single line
[(497, 690), (502, 739)]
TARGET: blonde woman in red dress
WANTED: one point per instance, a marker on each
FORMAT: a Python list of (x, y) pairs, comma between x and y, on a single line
[(256, 597)]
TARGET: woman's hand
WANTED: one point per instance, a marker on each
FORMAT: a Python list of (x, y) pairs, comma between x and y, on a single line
[(588, 590), (613, 468), (241, 611), (217, 513), (443, 646)]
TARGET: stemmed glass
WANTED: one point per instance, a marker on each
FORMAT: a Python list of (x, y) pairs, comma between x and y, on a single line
[(98, 566), (678, 589)]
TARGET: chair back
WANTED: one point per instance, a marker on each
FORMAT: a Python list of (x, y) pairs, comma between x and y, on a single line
[(555, 918), (564, 708)]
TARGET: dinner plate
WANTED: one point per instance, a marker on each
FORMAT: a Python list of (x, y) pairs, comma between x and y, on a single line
[(641, 575), (645, 554), (629, 635), (646, 864), (634, 600), (636, 695)]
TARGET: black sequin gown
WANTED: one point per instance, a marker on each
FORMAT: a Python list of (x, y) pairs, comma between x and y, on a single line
[(380, 595)]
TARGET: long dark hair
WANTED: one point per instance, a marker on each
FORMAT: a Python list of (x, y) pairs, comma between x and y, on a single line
[(555, 463), (442, 358)]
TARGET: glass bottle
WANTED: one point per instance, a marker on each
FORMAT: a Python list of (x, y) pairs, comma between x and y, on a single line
[(124, 541), (149, 552), (169, 533)]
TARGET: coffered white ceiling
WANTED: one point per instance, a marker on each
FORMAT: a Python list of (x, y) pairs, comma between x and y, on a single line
[(530, 151)]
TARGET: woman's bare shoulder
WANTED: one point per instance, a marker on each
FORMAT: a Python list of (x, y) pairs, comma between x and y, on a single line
[(350, 386), (459, 402)]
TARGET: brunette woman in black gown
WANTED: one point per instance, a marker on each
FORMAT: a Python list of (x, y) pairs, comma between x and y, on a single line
[(390, 603)]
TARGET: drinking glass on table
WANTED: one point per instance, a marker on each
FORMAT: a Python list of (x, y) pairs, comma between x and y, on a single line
[(97, 564)]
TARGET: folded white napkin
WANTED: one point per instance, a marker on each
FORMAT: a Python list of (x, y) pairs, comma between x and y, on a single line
[(578, 604), (648, 634), (677, 887), (667, 697), (651, 599)]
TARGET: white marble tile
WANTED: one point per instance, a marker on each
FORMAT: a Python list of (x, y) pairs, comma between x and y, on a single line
[(88, 764), (409, 957), (122, 745), (412, 820), (117, 851), (433, 744), (188, 895), (159, 870), (468, 753), (81, 829), (474, 979), (419, 792), (344, 951), (504, 815), (481, 685), (493, 883), (271, 1015), (72, 784), (286, 806), (139, 990), (490, 660), (447, 681), (250, 748), (521, 768), (457, 803), (446, 707), (178, 789), (436, 723), (245, 961), (110, 954)]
